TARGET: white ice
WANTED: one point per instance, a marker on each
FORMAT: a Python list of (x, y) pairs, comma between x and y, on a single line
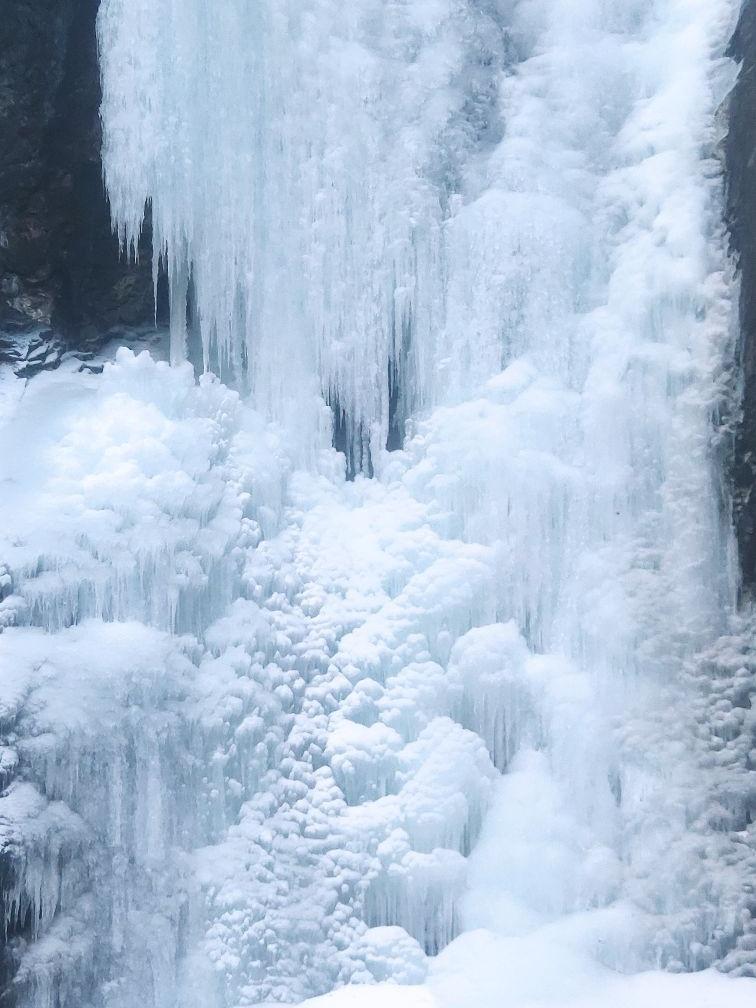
[(475, 731)]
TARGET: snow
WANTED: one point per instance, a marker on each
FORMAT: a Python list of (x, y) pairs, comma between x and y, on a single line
[(518, 977), (474, 726)]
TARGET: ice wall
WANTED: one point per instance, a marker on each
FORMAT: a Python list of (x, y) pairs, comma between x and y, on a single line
[(260, 715), (308, 189)]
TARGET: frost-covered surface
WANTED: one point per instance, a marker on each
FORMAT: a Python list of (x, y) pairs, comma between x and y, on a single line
[(482, 722)]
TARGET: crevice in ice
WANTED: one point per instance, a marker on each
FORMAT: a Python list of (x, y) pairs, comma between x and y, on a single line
[(397, 416), (351, 438)]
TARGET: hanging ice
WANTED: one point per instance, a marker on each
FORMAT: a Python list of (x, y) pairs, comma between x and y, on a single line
[(472, 723), (306, 192)]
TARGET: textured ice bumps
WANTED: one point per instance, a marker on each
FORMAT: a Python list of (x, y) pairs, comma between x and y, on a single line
[(493, 693)]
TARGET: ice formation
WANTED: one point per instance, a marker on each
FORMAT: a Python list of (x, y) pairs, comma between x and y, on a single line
[(477, 719)]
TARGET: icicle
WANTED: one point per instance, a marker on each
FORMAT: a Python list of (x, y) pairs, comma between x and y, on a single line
[(178, 291)]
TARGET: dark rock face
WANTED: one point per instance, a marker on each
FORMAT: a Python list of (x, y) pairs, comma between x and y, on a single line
[(59, 262), (741, 211)]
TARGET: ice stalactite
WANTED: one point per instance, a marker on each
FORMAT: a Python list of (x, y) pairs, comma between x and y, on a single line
[(308, 188)]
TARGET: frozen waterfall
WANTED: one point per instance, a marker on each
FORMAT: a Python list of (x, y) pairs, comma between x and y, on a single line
[(463, 706)]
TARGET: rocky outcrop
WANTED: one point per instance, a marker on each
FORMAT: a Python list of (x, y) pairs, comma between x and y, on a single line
[(741, 210), (60, 267)]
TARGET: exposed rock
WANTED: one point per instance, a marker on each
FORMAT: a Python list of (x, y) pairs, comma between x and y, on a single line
[(741, 209), (60, 267)]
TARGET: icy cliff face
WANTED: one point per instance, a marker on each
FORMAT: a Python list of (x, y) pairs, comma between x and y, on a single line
[(270, 731)]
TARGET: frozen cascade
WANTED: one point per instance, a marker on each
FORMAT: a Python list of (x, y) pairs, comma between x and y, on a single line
[(481, 722)]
